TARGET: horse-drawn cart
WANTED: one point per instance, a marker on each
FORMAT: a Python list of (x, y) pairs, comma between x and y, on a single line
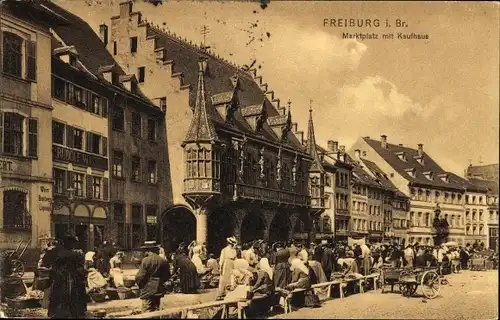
[(408, 280)]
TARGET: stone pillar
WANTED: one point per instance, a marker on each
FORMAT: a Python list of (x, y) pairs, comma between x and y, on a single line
[(201, 225)]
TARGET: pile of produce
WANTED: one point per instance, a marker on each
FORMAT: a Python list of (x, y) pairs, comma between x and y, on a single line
[(97, 290)]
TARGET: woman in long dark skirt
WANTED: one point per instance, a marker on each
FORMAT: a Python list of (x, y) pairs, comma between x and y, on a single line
[(68, 298), (188, 275), (282, 274)]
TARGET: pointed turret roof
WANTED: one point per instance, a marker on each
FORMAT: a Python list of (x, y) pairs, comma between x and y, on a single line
[(311, 145), (202, 128)]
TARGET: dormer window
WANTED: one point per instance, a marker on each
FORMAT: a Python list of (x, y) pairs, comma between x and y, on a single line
[(444, 177), (401, 156), (411, 172), (420, 160), (429, 175)]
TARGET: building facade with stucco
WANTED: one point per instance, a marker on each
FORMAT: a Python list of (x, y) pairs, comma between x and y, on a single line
[(25, 116)]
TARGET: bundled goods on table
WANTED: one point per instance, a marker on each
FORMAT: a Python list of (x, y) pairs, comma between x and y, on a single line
[(27, 301)]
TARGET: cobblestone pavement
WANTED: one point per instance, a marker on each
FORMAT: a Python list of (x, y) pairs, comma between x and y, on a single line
[(469, 295)]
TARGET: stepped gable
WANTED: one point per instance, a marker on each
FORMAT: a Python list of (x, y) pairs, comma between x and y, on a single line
[(219, 83), (389, 154)]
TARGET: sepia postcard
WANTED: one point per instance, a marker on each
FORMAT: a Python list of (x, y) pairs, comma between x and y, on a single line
[(249, 159)]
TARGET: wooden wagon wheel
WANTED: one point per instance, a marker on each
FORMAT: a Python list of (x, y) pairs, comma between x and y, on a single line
[(17, 268), (431, 284)]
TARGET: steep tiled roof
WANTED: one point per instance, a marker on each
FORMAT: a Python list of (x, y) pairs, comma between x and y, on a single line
[(360, 175), (390, 155), (490, 185), (201, 127), (334, 162), (488, 172), (91, 50), (468, 185), (220, 79)]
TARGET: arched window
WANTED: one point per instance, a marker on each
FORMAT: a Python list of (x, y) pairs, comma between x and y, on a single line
[(15, 210)]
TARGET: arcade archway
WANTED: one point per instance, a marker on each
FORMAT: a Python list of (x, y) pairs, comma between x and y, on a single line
[(220, 226), (179, 225), (252, 227), (280, 228)]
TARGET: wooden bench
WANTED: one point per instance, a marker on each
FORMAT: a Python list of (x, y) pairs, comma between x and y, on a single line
[(185, 309)]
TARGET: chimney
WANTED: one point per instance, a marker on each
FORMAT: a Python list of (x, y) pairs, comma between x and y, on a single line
[(342, 149), (400, 144), (333, 146), (357, 154), (383, 140), (420, 149), (103, 33)]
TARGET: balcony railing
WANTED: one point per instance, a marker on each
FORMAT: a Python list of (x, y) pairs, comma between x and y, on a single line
[(271, 195)]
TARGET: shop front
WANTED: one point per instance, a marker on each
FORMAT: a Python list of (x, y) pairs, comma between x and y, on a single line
[(25, 203)]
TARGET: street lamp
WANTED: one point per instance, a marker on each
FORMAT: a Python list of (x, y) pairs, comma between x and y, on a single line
[(71, 198)]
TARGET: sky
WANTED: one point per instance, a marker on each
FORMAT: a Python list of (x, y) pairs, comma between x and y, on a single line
[(442, 92)]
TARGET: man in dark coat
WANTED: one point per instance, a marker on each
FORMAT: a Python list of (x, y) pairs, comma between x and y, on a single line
[(102, 258), (153, 273), (328, 261)]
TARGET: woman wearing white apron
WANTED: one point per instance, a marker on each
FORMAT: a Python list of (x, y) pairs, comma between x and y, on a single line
[(226, 261)]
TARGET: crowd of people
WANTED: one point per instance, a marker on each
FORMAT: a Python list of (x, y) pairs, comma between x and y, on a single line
[(240, 272)]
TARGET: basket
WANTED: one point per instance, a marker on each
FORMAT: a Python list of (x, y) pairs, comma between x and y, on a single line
[(125, 293), (128, 282), (112, 294), (204, 284), (98, 296), (136, 291), (23, 304)]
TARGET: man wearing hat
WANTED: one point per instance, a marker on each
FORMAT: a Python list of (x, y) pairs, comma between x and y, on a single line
[(152, 274)]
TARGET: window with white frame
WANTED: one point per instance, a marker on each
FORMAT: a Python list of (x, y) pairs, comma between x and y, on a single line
[(15, 129), (19, 56), (152, 172), (96, 187)]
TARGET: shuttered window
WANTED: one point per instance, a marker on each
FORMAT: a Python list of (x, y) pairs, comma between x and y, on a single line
[(32, 137), (31, 60), (104, 143), (105, 189), (89, 184)]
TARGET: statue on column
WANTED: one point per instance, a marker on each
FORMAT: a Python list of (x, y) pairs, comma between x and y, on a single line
[(294, 170), (261, 163), (278, 167)]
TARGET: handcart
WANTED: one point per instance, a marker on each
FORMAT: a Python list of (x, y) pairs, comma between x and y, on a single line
[(15, 256), (408, 280)]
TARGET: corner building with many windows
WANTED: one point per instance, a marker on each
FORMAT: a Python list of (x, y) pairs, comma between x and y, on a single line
[(25, 115), (109, 144)]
